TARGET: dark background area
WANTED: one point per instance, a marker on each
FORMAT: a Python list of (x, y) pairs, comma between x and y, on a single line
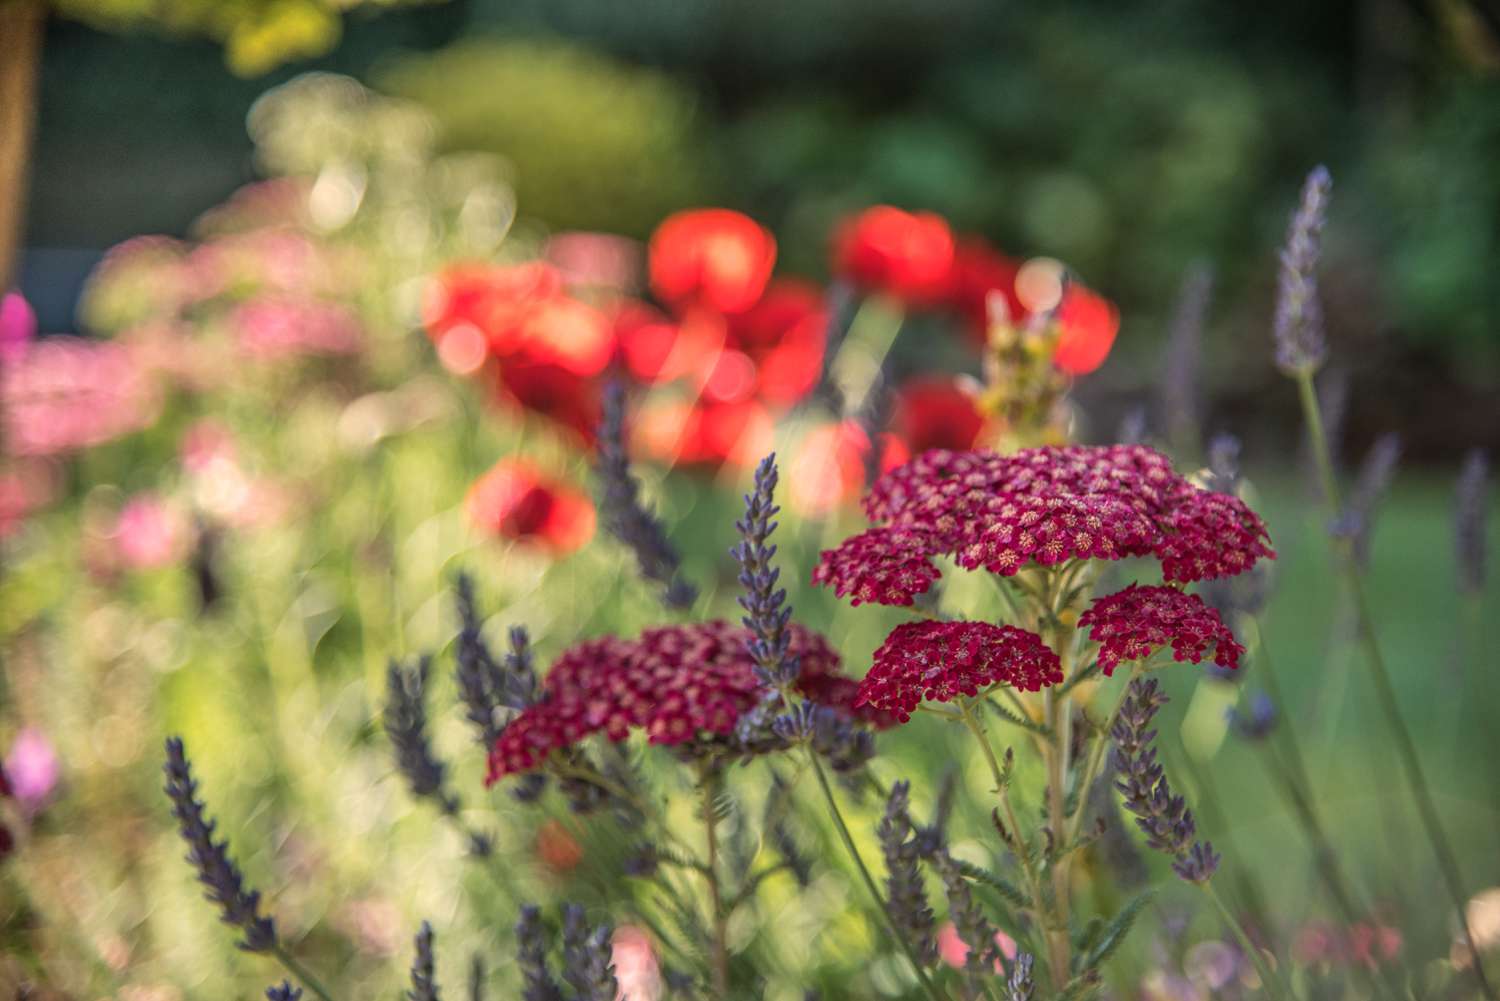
[(1128, 140)]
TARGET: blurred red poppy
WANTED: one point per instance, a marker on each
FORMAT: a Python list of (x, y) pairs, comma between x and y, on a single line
[(514, 501), (552, 391), (707, 433), (1089, 323), (784, 334), (711, 257), (907, 254), (936, 412), (828, 469), (491, 298), (978, 271)]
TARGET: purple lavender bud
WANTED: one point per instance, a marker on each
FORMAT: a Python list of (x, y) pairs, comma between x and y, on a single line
[(423, 985), (587, 958), (1179, 391), (1132, 430), (973, 928), (1357, 521), (1198, 864), (1167, 822), (531, 957), (625, 515), (1298, 328), (905, 891), (643, 862), (223, 882), (1224, 463), (1258, 722), (478, 673), (766, 612), (406, 725), (1469, 521), (283, 991)]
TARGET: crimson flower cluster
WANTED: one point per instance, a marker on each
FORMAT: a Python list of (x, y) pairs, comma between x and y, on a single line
[(681, 684), (1132, 624), (1042, 507), (943, 660)]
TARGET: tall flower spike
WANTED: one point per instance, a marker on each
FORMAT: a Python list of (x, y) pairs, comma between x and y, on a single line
[(479, 679), (1298, 330), (531, 957), (1165, 818), (626, 516), (1469, 522), (283, 991), (587, 957), (766, 610), (406, 726), (1357, 521), (968, 918), (1179, 392), (423, 983), (223, 882), (906, 894)]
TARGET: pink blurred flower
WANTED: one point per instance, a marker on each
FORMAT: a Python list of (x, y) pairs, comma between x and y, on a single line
[(596, 260), (954, 951), (204, 444), (281, 327), (65, 394), (17, 326), (23, 488), (148, 534), (32, 768), (636, 969)]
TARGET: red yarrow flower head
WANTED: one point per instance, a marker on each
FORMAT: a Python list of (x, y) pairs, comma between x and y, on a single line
[(514, 501), (1041, 506), (681, 684), (945, 660), (716, 258), (1132, 624), (906, 254)]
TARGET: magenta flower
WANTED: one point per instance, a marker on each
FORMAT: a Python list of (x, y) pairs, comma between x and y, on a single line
[(280, 327), (32, 768), (65, 394), (944, 660), (1132, 624), (148, 534), (17, 326)]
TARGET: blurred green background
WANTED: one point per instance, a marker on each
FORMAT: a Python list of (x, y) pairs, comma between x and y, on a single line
[(1127, 139)]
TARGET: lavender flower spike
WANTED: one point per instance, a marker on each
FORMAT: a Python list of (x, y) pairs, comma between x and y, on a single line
[(1165, 818), (1020, 987), (1357, 521), (626, 517), (531, 957), (283, 991), (1469, 522), (906, 893), (587, 957), (1179, 391), (766, 610), (423, 985), (238, 907), (406, 726), (1300, 344)]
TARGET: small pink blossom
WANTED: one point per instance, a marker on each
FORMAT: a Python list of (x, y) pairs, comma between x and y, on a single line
[(637, 971), (287, 327), (65, 394), (148, 534), (955, 951), (17, 326), (32, 768)]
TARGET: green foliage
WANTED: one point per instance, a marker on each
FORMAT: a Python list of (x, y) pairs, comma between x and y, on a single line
[(594, 143)]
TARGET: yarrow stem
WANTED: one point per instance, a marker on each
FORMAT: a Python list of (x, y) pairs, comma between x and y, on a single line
[(1411, 763), (710, 786)]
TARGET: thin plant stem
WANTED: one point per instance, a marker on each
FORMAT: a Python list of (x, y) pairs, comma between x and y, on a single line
[(1033, 879), (296, 969), (1056, 753), (1271, 981), (1095, 762), (1385, 693), (869, 881), (715, 893)]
